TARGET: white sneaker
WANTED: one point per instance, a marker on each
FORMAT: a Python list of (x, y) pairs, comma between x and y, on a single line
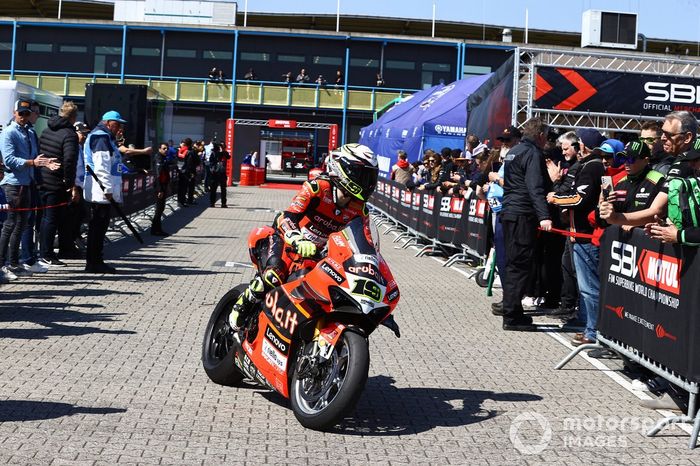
[(8, 273), (35, 268), (20, 271)]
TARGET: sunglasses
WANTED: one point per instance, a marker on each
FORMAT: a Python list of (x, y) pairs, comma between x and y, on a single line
[(431, 161), (650, 139)]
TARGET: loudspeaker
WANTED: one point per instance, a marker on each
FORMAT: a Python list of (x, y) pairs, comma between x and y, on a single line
[(127, 99)]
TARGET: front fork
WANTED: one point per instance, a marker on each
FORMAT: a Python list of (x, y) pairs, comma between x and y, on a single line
[(325, 338)]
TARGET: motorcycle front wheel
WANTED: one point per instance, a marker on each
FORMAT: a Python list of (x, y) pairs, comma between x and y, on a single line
[(218, 345), (322, 394)]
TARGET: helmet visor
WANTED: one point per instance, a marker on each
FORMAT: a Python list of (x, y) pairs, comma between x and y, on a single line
[(360, 180)]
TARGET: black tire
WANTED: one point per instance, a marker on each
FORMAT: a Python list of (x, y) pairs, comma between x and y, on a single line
[(217, 353), (347, 395), (481, 277)]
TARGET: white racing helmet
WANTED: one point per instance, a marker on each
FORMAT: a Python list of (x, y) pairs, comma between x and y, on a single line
[(354, 169)]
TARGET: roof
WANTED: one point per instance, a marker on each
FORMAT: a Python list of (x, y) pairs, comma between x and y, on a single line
[(378, 26)]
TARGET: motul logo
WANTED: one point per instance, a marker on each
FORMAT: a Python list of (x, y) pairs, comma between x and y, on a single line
[(677, 93), (661, 271)]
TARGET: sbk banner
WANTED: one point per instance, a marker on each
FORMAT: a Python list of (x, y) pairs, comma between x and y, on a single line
[(427, 222), (449, 220), (476, 223), (649, 299), (615, 92)]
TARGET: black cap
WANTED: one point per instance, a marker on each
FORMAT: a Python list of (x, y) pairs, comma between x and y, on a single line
[(81, 127), (509, 133), (23, 106), (693, 153), (636, 150)]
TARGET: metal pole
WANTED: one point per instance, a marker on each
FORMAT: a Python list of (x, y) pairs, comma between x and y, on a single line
[(516, 75), (245, 14), (60, 6), (526, 24), (433, 32), (14, 47), (162, 52), (233, 72), (343, 134), (337, 17), (121, 74)]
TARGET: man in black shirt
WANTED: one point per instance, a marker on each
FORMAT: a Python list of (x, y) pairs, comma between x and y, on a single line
[(526, 184)]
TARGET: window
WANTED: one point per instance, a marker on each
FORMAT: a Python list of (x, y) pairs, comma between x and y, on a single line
[(145, 52), (364, 63), (72, 48), (255, 56), (444, 67), (291, 58), (218, 54), (34, 47), (107, 50), (400, 65), (182, 53), (5, 46), (474, 70), (333, 61)]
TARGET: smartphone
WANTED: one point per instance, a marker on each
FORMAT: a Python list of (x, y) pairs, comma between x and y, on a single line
[(606, 186)]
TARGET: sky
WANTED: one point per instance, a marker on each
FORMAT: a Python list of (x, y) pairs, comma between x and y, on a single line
[(667, 19)]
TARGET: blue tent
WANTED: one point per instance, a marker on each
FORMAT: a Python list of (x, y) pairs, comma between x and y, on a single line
[(432, 119)]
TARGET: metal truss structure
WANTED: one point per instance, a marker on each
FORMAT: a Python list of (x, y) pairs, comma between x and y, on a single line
[(300, 124), (528, 59)]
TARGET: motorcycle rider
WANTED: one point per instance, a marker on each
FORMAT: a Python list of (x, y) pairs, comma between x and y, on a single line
[(324, 205)]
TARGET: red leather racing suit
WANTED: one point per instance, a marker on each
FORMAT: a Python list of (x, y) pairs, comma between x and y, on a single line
[(315, 213)]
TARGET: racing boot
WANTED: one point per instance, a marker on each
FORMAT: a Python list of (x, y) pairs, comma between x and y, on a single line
[(246, 302)]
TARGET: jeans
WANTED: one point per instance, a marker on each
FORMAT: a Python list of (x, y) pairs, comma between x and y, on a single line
[(217, 181), (586, 262), (17, 197), (30, 232), (97, 229), (53, 221)]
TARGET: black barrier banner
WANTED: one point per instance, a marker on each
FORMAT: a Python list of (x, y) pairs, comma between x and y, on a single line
[(615, 92), (477, 224), (394, 200), (650, 298), (377, 198), (427, 223), (449, 219), (415, 210), (404, 208)]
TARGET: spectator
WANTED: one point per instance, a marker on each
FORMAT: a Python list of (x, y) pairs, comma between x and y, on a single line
[(213, 74), (444, 170), (28, 257), (162, 182), (524, 209), (494, 196), (432, 174), (102, 156), (509, 138), (609, 149), (320, 81), (339, 79), (207, 152), (20, 158), (651, 136), (192, 161), (303, 77), (250, 75), (380, 80), (75, 212), (182, 179), (678, 132), (581, 201), (287, 77), (217, 163), (402, 171), (220, 76), (60, 141)]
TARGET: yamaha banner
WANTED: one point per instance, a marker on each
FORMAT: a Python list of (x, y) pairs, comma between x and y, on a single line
[(615, 92), (649, 298)]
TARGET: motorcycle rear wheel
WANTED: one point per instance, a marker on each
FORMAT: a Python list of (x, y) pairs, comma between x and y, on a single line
[(320, 402), (218, 346)]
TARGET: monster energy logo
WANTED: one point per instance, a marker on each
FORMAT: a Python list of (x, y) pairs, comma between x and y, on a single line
[(696, 145), (636, 146)]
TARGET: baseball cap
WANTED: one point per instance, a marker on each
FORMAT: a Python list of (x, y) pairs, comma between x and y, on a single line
[(113, 115), (612, 147), (510, 133), (635, 150), (81, 127), (23, 106), (590, 137), (693, 153)]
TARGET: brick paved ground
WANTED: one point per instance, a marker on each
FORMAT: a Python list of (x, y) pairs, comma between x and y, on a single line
[(106, 369)]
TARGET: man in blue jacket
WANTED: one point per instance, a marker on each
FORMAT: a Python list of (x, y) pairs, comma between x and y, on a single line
[(103, 157), (19, 158)]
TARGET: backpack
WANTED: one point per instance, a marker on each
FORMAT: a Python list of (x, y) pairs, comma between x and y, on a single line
[(684, 202)]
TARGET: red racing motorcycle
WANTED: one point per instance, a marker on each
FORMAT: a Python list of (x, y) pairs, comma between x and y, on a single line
[(308, 340)]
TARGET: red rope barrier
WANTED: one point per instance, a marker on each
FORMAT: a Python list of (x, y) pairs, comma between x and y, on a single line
[(571, 234), (7, 208)]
